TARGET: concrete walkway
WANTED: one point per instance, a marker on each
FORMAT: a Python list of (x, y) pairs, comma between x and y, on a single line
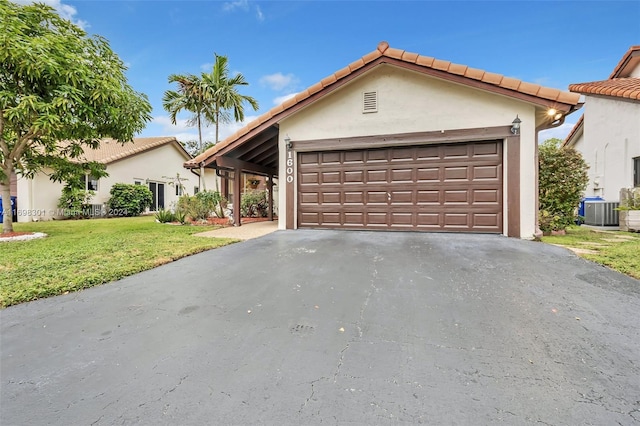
[(244, 232)]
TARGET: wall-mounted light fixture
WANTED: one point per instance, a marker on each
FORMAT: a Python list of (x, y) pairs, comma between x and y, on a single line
[(515, 125), (552, 112), (288, 143)]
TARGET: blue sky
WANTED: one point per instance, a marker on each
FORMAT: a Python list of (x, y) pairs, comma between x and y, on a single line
[(282, 47)]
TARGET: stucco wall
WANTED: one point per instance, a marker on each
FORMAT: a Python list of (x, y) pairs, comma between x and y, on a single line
[(40, 196), (610, 141), (412, 102)]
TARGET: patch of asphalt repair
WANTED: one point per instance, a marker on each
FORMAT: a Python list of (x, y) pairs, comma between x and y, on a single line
[(311, 327)]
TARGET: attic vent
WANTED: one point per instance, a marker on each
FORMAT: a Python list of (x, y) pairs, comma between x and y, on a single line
[(369, 102)]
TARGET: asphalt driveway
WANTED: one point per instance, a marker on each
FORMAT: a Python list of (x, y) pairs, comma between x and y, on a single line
[(312, 327)]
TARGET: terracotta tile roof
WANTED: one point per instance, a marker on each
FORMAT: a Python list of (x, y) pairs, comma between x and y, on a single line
[(111, 150), (629, 61), (574, 131), (543, 94), (627, 88)]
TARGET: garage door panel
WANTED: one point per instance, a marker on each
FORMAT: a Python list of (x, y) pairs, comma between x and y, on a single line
[(493, 221), (455, 151), (354, 177), (455, 187), (330, 198), (399, 154), (354, 197), (402, 175), (405, 219), (377, 197), (485, 196), (330, 157), (354, 218), (458, 220), (456, 197), (486, 172), (401, 197), (311, 198), (456, 173), (428, 197), (486, 149), (309, 178), (377, 156), (376, 218), (376, 175), (354, 157)]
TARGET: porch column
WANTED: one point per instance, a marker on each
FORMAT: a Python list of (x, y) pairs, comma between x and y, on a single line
[(237, 188), (270, 200), (224, 184)]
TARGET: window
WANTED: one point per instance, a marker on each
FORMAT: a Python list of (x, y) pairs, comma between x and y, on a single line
[(636, 172), (91, 183), (137, 182), (178, 190), (195, 190)]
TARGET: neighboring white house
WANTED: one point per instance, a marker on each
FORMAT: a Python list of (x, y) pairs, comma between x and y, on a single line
[(608, 133), (401, 141), (152, 162)]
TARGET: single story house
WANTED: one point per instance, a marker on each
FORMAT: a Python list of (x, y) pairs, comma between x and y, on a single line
[(608, 133), (401, 141), (155, 162)]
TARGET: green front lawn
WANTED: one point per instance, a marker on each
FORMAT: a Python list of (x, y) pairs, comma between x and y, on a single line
[(617, 250), (79, 254)]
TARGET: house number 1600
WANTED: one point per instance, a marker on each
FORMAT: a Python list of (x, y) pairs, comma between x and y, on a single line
[(289, 167)]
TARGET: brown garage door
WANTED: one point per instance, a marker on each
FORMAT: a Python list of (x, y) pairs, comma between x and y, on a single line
[(455, 187)]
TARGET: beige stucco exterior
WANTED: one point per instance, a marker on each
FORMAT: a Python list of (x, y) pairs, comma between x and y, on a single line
[(412, 102), (38, 197), (609, 141)]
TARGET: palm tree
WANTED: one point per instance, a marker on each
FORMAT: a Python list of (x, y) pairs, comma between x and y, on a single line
[(193, 96), (225, 95)]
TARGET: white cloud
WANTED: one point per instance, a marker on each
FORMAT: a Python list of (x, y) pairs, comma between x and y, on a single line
[(238, 4), (560, 132), (279, 81), (206, 67), (64, 10), (281, 99), (259, 14)]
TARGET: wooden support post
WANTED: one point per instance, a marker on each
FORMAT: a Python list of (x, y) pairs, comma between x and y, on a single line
[(224, 184), (270, 200), (237, 189)]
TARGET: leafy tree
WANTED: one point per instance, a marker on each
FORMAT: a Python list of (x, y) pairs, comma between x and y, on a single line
[(211, 97), (61, 91), (225, 96), (193, 96), (193, 146), (562, 181)]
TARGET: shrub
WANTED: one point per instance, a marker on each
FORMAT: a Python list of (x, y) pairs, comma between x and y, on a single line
[(202, 205), (562, 181), (75, 202), (130, 200), (165, 216), (254, 204), (194, 207)]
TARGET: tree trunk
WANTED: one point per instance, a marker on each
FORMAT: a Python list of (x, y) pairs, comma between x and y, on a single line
[(5, 193), (202, 184)]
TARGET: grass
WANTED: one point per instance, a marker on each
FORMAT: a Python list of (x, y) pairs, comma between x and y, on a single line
[(617, 250), (78, 254)]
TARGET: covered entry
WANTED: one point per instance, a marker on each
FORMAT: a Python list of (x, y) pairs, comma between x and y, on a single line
[(452, 187)]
